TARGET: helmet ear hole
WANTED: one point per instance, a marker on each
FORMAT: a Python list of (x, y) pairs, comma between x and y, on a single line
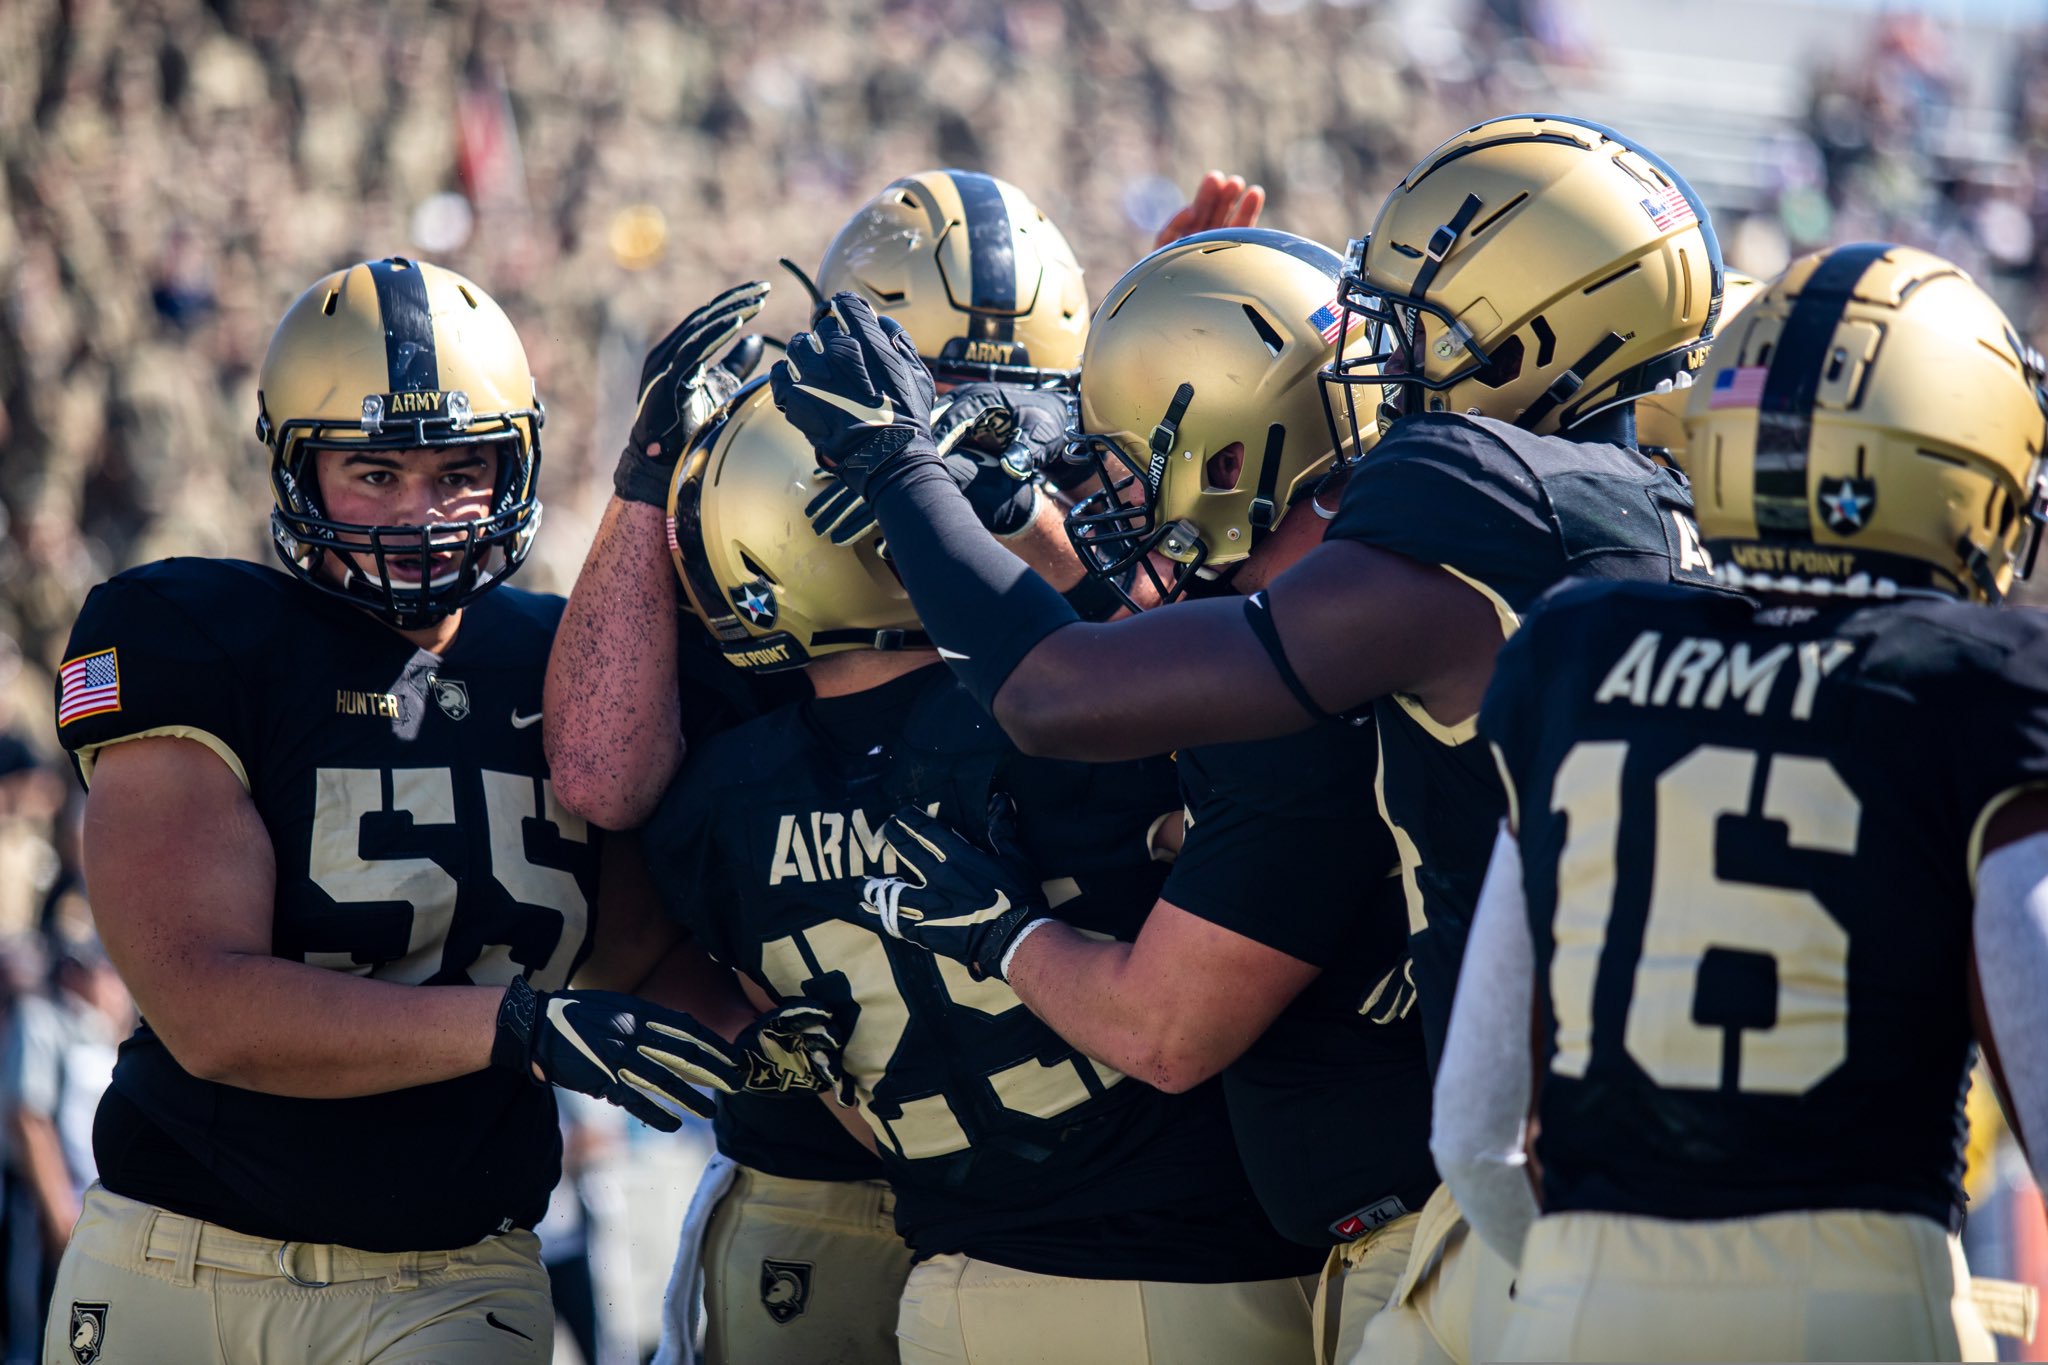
[(1224, 469), (1504, 366)]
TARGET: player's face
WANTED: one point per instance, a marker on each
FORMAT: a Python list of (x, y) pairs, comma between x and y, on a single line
[(408, 488)]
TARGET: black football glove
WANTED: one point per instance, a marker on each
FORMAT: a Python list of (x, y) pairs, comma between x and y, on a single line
[(680, 388), (619, 1048), (836, 511), (794, 1048), (856, 388), (996, 440), (957, 899)]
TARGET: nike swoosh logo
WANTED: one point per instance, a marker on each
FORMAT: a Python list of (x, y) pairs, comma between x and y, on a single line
[(983, 916), (945, 653), (520, 722), (558, 1010), (492, 1319), (874, 417)]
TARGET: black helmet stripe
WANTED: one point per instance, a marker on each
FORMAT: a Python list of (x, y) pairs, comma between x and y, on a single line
[(991, 256), (408, 326), (1784, 417)]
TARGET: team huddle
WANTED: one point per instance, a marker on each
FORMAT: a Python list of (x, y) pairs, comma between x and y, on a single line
[(1469, 799)]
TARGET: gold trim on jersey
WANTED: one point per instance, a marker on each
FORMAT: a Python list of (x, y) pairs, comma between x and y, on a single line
[(1500, 761), (1975, 851), (1464, 730), (88, 755), (1410, 855)]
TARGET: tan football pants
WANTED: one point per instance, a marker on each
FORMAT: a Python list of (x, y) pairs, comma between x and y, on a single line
[(1356, 1284), (1450, 1304), (802, 1270), (957, 1309), (1835, 1285), (140, 1285)]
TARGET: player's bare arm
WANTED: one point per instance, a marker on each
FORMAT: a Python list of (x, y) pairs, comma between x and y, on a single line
[(612, 721), (1172, 1009), (613, 724), (1377, 624), (183, 885)]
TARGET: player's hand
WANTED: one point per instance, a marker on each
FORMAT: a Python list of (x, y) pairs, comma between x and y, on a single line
[(795, 1047), (680, 387), (997, 440), (957, 899), (1221, 201), (836, 512), (856, 388), (615, 1047)]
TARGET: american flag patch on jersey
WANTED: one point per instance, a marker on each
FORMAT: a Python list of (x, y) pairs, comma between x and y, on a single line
[(1742, 387), (88, 686), (1671, 210), (1329, 320)]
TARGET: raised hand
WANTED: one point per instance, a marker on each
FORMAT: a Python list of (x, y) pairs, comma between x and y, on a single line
[(680, 387), (856, 388), (1220, 201)]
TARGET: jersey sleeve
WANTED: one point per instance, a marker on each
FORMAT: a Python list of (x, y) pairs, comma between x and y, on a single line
[(1282, 842), (2008, 756), (137, 667), (1444, 491)]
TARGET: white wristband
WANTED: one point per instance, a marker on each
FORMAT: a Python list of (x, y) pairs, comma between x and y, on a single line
[(1003, 967)]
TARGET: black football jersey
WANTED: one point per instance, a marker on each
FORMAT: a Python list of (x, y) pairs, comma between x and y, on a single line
[(1512, 514), (1330, 1105), (783, 1135), (1749, 834), (417, 840), (1001, 1140)]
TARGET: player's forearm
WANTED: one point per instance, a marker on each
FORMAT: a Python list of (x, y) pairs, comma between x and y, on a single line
[(614, 724), (2010, 930), (1094, 994), (285, 1028), (1044, 547)]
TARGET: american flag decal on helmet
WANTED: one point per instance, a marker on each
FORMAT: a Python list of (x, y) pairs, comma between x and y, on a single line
[(1670, 211), (1329, 320)]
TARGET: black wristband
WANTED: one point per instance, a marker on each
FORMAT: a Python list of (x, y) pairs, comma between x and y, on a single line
[(1092, 599), (518, 1016), (640, 477)]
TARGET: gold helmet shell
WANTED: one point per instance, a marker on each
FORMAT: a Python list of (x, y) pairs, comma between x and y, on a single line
[(1871, 422), (1660, 416), (774, 591), (1537, 269), (1200, 404), (983, 282), (399, 355)]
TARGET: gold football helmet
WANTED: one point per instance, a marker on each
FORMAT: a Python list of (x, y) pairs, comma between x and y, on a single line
[(1871, 422), (399, 355), (1537, 269), (1200, 406), (774, 589), (983, 282), (1660, 416)]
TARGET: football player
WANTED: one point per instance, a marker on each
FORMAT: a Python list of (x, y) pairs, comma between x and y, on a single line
[(1056, 1210), (1533, 276), (970, 263), (1773, 863), (1275, 955), (327, 858)]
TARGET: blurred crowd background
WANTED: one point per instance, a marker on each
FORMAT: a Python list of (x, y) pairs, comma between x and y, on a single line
[(174, 172)]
